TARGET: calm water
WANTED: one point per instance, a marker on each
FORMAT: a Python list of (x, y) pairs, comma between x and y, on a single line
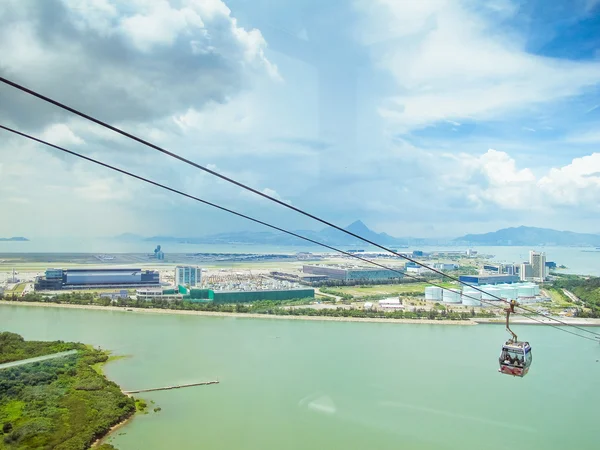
[(302, 384)]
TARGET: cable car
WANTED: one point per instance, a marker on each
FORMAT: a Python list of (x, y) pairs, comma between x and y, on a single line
[(516, 356)]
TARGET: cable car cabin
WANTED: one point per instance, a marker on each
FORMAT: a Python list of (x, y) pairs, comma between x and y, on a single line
[(515, 358)]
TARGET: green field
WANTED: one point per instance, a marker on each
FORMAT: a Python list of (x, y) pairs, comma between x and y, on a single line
[(385, 289), (18, 289), (559, 299)]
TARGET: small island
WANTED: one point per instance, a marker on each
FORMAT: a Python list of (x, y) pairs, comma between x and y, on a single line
[(14, 239), (63, 402)]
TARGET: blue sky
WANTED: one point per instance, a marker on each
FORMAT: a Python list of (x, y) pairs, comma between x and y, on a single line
[(432, 118)]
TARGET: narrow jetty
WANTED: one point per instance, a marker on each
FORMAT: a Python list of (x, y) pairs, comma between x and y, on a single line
[(166, 388)]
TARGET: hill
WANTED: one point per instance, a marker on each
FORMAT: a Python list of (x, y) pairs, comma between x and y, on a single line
[(531, 236), (14, 239), (328, 235)]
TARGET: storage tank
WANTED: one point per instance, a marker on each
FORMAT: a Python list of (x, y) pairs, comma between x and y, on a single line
[(433, 293), (526, 290), (471, 297), (508, 291), (490, 293), (512, 293), (451, 296)]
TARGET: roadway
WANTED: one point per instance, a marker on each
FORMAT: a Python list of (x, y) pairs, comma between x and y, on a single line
[(36, 359)]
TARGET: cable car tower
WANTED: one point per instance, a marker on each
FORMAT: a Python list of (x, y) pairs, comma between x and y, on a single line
[(516, 356)]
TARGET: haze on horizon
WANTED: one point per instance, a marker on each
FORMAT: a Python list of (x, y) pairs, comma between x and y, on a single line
[(435, 119)]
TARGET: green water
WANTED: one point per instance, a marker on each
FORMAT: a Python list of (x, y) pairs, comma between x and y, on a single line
[(326, 385)]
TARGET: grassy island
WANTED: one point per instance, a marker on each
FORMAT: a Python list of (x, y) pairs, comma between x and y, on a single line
[(60, 403)]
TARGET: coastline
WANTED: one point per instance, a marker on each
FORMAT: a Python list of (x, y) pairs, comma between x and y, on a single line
[(520, 320), (244, 315), (99, 441), (112, 429)]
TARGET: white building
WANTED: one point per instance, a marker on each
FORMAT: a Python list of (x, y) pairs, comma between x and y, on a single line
[(188, 276), (419, 270), (390, 304), (156, 293), (526, 272), (445, 266), (538, 265)]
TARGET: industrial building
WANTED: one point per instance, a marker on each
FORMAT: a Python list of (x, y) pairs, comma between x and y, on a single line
[(445, 266), (208, 295), (351, 273), (390, 304), (188, 276), (158, 293), (488, 279), (70, 279), (508, 269)]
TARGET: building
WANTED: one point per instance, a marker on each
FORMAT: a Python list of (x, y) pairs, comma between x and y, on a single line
[(351, 273), (158, 253), (526, 272), (390, 304), (102, 278), (445, 266), (538, 265), (208, 295), (188, 276), (508, 269), (488, 279), (158, 293), (493, 268), (419, 270), (115, 295)]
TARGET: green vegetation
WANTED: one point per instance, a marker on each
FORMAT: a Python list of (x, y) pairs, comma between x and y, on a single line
[(60, 403), (274, 307), (559, 298), (141, 405), (379, 291), (18, 289), (586, 289), (14, 348)]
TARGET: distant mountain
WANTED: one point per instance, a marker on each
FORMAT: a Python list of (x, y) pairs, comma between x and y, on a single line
[(531, 236), (129, 237), (14, 239), (328, 235), (333, 236)]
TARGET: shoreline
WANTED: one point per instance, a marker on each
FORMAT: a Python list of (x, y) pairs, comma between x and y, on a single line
[(518, 320), (243, 315), (99, 441), (112, 429)]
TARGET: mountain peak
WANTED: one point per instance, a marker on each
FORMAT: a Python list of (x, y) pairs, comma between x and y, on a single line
[(358, 227)]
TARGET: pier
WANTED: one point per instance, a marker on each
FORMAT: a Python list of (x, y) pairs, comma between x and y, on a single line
[(166, 388)]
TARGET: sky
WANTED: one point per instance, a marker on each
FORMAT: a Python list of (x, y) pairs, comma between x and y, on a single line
[(426, 119)]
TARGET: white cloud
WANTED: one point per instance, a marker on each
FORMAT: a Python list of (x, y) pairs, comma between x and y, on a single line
[(452, 62), (134, 61), (505, 185), (160, 26), (575, 184), (60, 134)]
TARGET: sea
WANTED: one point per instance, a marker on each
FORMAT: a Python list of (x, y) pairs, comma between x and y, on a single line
[(578, 260), (294, 384)]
